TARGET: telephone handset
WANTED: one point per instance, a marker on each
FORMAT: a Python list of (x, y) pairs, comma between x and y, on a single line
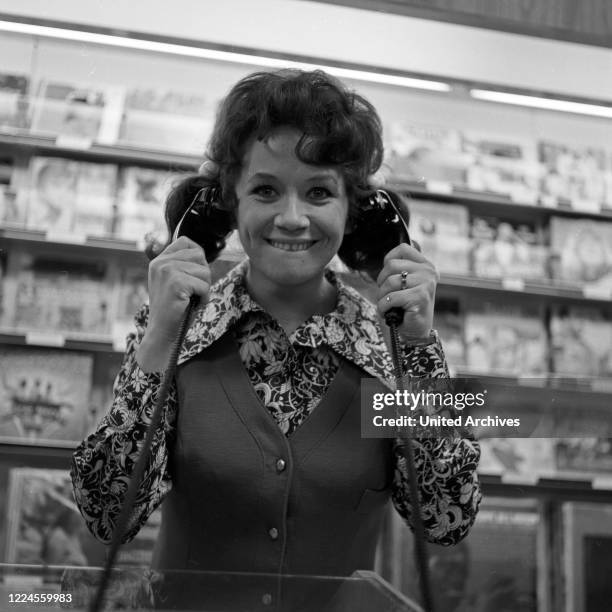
[(206, 222)]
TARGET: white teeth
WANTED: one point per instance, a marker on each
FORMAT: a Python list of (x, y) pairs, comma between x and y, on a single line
[(291, 246)]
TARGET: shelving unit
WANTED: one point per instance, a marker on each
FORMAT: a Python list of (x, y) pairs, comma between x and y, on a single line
[(547, 391)]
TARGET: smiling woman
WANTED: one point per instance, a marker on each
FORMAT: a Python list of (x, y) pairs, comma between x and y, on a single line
[(260, 462), (291, 220)]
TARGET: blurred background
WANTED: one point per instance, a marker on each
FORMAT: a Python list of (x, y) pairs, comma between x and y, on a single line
[(498, 129)]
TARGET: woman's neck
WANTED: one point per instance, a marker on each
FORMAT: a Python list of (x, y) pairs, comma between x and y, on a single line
[(294, 304)]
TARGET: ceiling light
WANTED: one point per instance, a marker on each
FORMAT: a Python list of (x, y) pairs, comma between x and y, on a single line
[(565, 106), (218, 55)]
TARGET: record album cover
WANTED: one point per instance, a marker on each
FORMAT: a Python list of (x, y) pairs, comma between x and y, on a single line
[(167, 120), (509, 340), (79, 110), (55, 295), (581, 251), (419, 152), (502, 165), (13, 101), (95, 199), (44, 394), (581, 341), (507, 249), (52, 194), (442, 232), (45, 526), (572, 176), (141, 203)]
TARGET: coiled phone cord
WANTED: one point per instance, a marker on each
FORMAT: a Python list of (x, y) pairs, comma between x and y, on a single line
[(393, 318), (139, 468)]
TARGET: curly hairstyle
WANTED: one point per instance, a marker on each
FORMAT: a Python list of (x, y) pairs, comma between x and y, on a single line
[(339, 128)]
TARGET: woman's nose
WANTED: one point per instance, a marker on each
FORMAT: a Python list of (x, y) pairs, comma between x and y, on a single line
[(292, 215)]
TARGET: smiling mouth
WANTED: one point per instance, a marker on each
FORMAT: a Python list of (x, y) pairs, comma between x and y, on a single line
[(291, 246)]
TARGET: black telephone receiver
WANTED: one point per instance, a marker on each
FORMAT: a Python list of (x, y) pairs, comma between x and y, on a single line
[(378, 226), (206, 222)]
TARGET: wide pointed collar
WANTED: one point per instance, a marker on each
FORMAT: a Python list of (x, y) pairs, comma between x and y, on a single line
[(352, 329)]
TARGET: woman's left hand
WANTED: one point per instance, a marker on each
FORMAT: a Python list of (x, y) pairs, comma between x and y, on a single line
[(408, 281)]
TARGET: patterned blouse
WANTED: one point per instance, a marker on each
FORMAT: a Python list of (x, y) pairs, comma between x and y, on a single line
[(290, 375)]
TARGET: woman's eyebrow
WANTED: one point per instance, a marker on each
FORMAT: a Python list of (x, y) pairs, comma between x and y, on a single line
[(262, 175), (322, 177)]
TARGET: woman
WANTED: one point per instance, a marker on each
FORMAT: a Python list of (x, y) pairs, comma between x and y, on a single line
[(260, 461)]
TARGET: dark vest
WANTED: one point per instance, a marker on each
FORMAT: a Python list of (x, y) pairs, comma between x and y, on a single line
[(247, 498)]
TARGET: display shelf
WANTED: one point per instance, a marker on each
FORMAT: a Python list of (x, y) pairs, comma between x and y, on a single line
[(32, 144), (34, 455), (553, 489), (541, 289), (482, 202), (574, 387), (71, 241), (58, 340)]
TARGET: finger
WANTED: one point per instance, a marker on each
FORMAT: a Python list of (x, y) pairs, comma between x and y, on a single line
[(409, 300), (182, 242), (185, 254), (397, 266), (405, 251), (189, 285), (171, 268), (397, 282)]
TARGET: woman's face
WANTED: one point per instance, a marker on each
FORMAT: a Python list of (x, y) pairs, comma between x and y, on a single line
[(291, 216)]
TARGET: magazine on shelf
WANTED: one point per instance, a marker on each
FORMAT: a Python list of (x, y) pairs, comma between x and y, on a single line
[(498, 567), (572, 176), (442, 232), (140, 208), (88, 112), (44, 394), (45, 526), (588, 456), (586, 554), (73, 298), (133, 293), (11, 213), (419, 152), (529, 457), (13, 101), (581, 341), (95, 199), (449, 323), (507, 249), (52, 194), (505, 339), (502, 165), (167, 120), (581, 252)]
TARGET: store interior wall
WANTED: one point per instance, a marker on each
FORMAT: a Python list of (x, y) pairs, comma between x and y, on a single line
[(351, 35)]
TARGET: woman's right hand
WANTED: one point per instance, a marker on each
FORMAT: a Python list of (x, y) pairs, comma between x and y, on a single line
[(177, 273)]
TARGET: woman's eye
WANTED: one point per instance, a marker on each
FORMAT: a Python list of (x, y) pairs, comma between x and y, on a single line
[(265, 191), (320, 193)]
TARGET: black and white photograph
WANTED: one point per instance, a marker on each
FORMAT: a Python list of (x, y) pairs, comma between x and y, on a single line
[(306, 306)]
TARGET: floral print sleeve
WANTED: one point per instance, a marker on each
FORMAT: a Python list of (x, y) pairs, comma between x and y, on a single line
[(448, 484), (102, 464)]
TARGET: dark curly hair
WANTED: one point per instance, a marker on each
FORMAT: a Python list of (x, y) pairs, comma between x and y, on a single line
[(339, 128)]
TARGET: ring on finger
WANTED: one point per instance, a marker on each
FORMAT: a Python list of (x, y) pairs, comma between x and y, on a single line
[(404, 279)]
